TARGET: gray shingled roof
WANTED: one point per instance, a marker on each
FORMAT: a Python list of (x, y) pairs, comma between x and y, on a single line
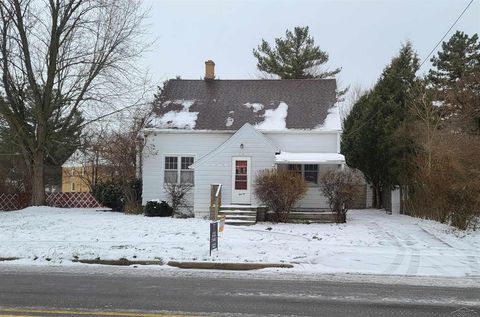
[(215, 101)]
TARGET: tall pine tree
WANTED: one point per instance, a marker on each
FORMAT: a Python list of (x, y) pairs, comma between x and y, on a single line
[(455, 80), (375, 139), (295, 57)]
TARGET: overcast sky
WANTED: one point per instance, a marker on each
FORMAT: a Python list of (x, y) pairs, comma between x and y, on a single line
[(360, 36)]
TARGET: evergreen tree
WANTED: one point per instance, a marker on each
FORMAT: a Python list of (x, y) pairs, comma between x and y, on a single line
[(295, 57), (375, 139), (456, 81), (64, 141)]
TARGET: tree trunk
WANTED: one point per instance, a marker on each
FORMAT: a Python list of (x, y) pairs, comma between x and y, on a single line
[(38, 181), (377, 196)]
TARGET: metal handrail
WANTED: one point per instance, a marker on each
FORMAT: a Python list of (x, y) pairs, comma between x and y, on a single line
[(218, 190)]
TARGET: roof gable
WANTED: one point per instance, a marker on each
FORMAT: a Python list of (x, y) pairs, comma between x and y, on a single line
[(229, 104), (247, 128)]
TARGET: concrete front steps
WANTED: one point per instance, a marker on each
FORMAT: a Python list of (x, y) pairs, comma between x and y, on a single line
[(239, 215)]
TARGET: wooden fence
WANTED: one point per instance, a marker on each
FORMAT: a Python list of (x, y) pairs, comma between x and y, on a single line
[(10, 202)]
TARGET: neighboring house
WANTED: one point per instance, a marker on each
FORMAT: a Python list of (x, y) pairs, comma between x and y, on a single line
[(81, 171), (209, 132)]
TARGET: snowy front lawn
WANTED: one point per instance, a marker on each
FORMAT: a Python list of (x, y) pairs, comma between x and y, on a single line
[(371, 242)]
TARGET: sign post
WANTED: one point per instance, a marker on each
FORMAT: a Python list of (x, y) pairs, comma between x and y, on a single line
[(213, 236), (222, 224)]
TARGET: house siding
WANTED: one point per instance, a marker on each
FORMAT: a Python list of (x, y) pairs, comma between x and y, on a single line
[(162, 144), (313, 199), (308, 143), (305, 142), (218, 169)]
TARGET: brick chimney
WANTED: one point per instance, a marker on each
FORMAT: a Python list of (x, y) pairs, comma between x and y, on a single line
[(209, 70)]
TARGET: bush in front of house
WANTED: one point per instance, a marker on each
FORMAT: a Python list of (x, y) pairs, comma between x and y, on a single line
[(280, 190), (108, 194), (158, 209), (132, 193), (340, 187), (177, 194)]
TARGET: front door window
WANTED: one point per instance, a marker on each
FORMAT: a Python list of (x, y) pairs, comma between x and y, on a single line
[(241, 180), (241, 176)]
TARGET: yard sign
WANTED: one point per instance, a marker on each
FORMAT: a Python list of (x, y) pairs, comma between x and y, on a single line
[(213, 236)]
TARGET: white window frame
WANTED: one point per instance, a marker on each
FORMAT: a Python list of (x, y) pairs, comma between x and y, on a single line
[(319, 170), (179, 165), (302, 169)]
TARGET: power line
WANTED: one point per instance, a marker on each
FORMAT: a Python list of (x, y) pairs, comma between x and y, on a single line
[(102, 117), (446, 33), (443, 37)]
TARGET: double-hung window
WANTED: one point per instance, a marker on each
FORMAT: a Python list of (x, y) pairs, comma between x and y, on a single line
[(177, 171), (308, 171), (186, 174)]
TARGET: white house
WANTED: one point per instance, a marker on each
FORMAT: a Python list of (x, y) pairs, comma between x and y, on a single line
[(209, 131)]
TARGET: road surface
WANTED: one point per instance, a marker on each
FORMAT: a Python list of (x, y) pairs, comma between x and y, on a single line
[(124, 293)]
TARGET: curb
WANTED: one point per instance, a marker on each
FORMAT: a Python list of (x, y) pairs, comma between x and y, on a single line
[(121, 262), (227, 266), (8, 259)]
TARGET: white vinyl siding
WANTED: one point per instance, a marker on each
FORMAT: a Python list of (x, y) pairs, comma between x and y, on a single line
[(218, 168), (304, 142), (162, 145)]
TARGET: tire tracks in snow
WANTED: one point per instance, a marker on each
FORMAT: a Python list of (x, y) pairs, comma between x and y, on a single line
[(381, 235), (405, 250), (473, 262)]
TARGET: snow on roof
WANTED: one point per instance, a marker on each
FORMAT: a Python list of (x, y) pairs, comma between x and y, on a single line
[(332, 121), (256, 107), (290, 157), (308, 103), (275, 119), (179, 119)]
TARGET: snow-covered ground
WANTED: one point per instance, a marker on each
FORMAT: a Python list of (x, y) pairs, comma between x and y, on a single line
[(370, 243)]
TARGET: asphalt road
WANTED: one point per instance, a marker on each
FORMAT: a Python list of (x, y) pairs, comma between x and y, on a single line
[(104, 294)]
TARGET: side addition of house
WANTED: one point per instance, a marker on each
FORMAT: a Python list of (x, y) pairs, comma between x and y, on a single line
[(223, 132)]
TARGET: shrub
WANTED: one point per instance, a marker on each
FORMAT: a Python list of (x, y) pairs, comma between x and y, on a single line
[(177, 194), (280, 190), (108, 194), (446, 187), (340, 187), (133, 197), (158, 209)]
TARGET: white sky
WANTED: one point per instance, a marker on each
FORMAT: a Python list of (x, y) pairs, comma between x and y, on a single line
[(360, 36)]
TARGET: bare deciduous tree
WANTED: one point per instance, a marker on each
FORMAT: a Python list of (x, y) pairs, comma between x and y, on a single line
[(115, 156), (58, 57)]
